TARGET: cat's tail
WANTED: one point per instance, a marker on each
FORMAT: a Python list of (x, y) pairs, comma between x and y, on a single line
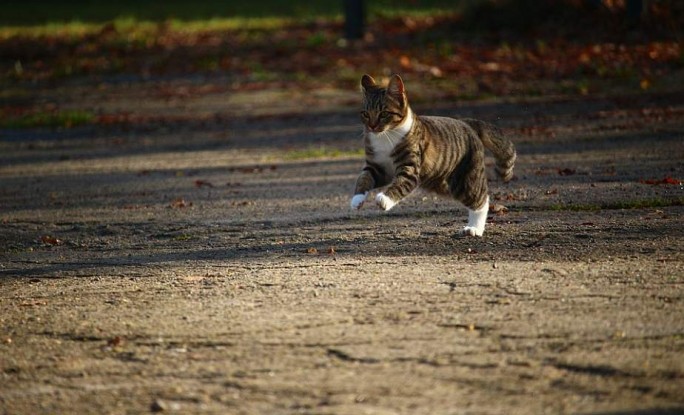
[(502, 148)]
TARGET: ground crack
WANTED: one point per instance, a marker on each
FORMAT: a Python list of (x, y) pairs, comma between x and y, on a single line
[(594, 370), (342, 355)]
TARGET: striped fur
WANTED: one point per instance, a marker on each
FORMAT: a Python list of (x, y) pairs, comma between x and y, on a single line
[(440, 154)]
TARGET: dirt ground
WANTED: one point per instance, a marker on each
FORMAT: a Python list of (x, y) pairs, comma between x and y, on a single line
[(204, 259)]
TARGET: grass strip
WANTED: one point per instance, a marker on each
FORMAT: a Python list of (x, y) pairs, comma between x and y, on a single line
[(53, 119)]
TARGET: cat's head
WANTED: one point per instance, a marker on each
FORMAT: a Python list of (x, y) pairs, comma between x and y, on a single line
[(383, 107)]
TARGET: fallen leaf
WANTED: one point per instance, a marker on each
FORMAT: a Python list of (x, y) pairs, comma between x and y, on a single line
[(312, 251), (498, 209), (664, 180), (51, 240), (255, 169), (203, 183), (32, 303), (117, 341), (180, 203), (331, 250), (436, 72), (160, 405)]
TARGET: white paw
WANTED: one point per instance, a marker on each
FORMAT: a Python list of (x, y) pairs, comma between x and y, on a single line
[(471, 231), (384, 202), (357, 200)]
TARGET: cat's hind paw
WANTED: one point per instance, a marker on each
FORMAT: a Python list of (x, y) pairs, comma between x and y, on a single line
[(471, 231), (357, 201), (384, 202)]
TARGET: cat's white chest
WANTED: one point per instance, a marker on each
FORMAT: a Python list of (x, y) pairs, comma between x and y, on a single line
[(383, 146)]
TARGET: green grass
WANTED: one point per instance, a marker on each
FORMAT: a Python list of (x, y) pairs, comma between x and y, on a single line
[(83, 14), (321, 152), (52, 119), (623, 204), (138, 29)]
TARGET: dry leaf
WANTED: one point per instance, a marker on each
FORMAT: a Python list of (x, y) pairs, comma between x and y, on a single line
[(664, 180), (117, 341), (203, 183), (51, 240), (498, 209), (180, 203)]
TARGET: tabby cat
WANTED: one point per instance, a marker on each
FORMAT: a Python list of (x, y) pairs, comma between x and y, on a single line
[(405, 151)]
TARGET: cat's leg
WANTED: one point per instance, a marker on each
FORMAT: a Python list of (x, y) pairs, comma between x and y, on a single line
[(358, 200), (405, 182), (468, 184), (477, 218), (370, 175), (384, 201)]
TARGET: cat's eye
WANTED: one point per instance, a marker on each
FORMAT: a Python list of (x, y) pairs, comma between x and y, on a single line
[(364, 115), (386, 114)]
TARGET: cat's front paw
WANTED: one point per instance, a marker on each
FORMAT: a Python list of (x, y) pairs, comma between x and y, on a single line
[(471, 231), (384, 202), (357, 201)]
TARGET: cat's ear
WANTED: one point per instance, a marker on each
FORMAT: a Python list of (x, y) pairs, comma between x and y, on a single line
[(367, 81), (396, 87)]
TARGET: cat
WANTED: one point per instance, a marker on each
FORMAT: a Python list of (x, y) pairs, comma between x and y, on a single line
[(444, 155)]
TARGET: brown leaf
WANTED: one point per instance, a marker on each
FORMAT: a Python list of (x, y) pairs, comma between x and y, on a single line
[(203, 183), (312, 251), (51, 240), (664, 180), (498, 209), (117, 341), (255, 169), (180, 203), (32, 303), (331, 250)]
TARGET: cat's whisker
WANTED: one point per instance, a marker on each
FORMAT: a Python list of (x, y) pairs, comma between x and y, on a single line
[(393, 135), (387, 137)]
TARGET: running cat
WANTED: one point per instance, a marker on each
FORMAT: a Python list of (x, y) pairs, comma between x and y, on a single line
[(405, 151)]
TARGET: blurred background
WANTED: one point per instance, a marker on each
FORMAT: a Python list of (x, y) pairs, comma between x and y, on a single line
[(449, 50)]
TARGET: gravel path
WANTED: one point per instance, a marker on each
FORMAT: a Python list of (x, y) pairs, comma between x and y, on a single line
[(204, 263)]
